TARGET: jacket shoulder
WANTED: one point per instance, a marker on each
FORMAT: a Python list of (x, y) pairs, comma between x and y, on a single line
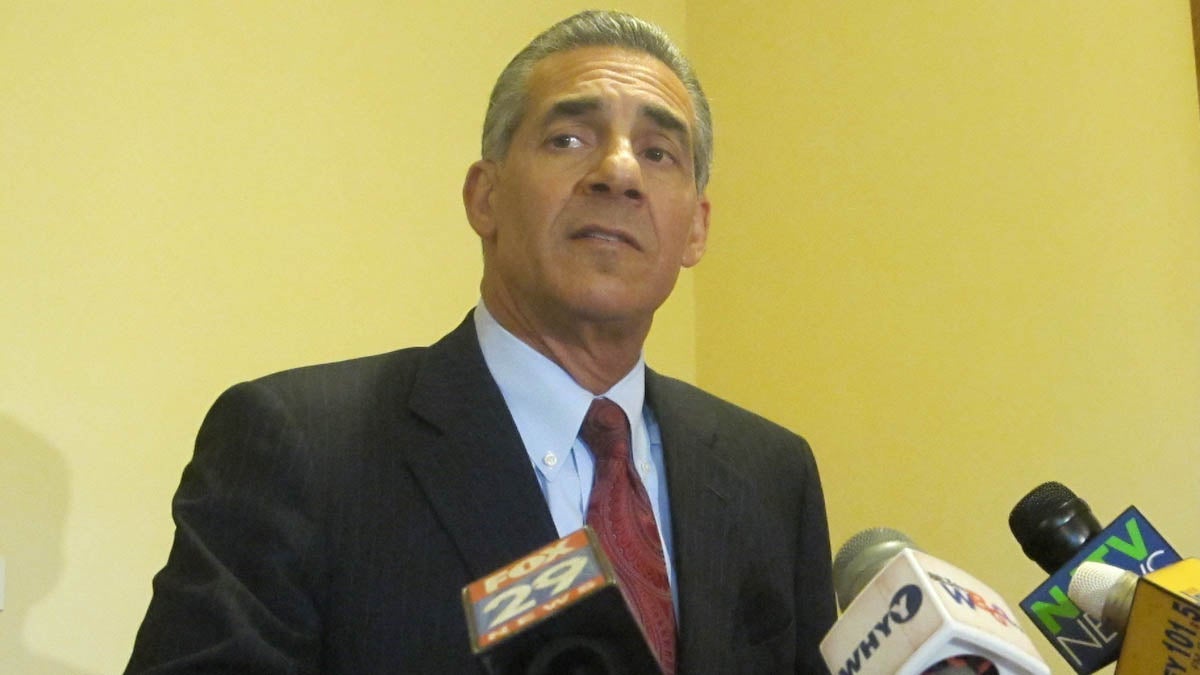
[(676, 397)]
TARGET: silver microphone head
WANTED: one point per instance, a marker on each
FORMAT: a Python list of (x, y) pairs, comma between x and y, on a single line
[(1103, 591), (862, 557)]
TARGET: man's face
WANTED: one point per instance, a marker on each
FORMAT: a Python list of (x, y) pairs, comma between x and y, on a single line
[(594, 209)]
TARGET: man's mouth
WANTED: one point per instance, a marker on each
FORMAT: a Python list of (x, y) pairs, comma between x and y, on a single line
[(602, 234)]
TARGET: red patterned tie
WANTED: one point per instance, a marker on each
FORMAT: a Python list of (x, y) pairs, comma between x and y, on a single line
[(619, 511)]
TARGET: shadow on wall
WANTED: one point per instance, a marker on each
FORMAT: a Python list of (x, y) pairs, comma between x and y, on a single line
[(33, 512)]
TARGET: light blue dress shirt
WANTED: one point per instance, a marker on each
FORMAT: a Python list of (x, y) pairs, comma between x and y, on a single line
[(548, 407)]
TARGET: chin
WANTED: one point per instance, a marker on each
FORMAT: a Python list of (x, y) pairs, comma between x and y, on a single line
[(616, 307)]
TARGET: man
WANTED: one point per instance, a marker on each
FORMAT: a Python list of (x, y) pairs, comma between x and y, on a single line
[(332, 514)]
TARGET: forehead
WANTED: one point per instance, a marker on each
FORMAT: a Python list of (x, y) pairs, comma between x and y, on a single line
[(607, 73)]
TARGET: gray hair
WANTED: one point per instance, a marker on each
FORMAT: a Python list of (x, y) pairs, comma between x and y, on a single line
[(585, 29)]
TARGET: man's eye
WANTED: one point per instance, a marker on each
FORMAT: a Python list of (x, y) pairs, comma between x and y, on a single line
[(657, 154), (566, 141)]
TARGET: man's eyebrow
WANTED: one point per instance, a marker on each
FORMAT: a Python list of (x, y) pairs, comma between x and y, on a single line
[(572, 107), (666, 119), (584, 105)]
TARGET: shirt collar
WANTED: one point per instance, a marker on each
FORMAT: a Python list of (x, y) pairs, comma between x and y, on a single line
[(546, 404)]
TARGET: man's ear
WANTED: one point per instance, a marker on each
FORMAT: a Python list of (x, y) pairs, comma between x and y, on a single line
[(697, 242), (477, 197)]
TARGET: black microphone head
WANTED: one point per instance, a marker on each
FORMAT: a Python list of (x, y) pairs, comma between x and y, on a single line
[(862, 557), (1051, 523), (579, 655)]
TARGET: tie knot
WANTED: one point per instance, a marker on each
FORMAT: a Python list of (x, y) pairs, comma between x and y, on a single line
[(606, 430)]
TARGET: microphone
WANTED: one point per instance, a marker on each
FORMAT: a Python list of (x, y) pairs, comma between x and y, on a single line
[(1159, 614), (862, 557), (1104, 592), (905, 612), (559, 609), (1058, 531)]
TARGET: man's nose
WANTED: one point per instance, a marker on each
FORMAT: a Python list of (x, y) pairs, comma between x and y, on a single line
[(617, 172)]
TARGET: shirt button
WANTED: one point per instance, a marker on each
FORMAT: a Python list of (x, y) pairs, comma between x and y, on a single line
[(550, 459), (645, 467)]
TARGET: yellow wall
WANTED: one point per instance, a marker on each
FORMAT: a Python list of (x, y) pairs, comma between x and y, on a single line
[(955, 245)]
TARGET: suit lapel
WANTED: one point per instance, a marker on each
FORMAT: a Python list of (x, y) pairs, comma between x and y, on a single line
[(703, 488), (476, 474), (478, 479)]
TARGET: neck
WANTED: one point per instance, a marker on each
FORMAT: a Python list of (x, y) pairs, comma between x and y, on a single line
[(595, 353)]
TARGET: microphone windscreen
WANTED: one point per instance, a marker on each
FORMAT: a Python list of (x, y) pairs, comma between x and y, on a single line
[(1103, 591), (1052, 523), (862, 557)]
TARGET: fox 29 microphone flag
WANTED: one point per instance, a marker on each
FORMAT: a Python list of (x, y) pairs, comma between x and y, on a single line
[(558, 609), (920, 613)]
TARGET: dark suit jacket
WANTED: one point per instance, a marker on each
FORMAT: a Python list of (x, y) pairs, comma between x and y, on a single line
[(332, 514)]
